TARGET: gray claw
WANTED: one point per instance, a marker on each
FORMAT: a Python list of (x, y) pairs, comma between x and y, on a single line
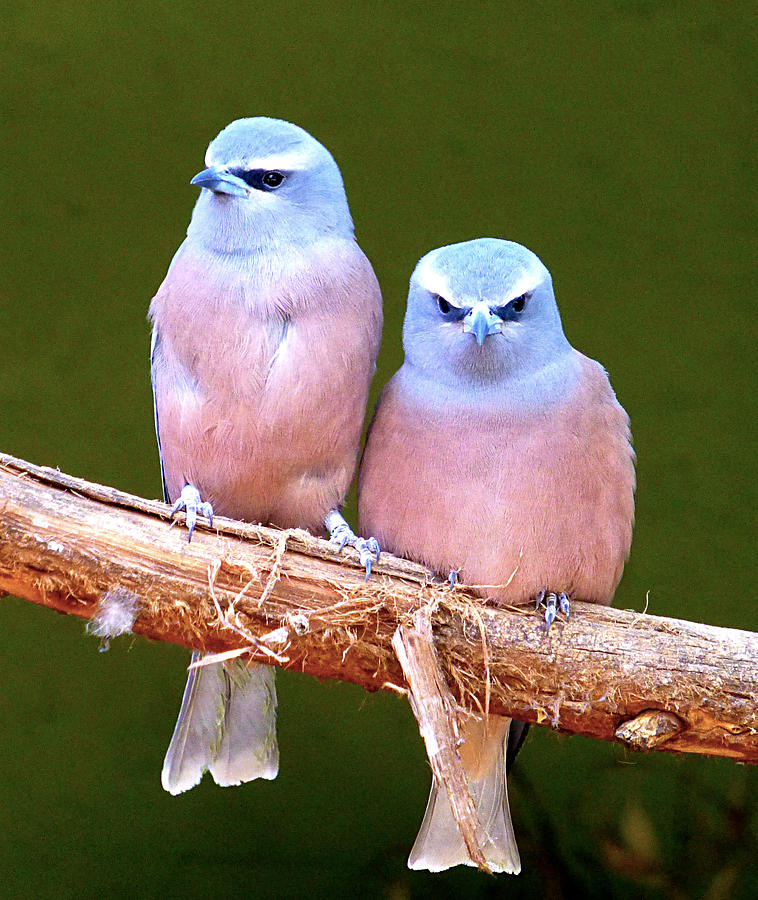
[(193, 504), (553, 602), (367, 549), (340, 534), (373, 546)]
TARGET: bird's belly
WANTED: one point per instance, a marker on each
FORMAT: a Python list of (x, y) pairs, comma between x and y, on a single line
[(518, 513), (282, 455)]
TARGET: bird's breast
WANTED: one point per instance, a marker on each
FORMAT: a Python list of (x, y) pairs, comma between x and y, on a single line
[(261, 389), (524, 502)]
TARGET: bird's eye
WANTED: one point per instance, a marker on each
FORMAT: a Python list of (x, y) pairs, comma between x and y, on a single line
[(449, 311), (273, 179), (512, 310)]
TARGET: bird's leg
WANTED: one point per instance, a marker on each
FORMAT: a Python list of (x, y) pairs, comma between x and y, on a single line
[(453, 578), (340, 533), (553, 602), (191, 501)]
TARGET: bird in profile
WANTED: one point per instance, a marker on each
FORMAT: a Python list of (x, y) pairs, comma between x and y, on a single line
[(265, 335), (498, 452)]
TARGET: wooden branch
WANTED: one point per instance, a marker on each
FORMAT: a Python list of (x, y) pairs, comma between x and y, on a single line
[(290, 600), (436, 713)]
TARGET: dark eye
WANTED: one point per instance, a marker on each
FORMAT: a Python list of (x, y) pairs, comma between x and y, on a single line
[(273, 179), (512, 310), (449, 311)]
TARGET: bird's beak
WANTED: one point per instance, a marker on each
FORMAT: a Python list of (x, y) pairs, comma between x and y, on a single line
[(220, 181), (481, 321)]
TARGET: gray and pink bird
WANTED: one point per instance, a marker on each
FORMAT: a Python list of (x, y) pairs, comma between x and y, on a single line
[(497, 452), (265, 335)]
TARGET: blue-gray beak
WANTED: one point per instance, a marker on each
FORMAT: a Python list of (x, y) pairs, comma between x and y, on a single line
[(220, 181), (481, 321)]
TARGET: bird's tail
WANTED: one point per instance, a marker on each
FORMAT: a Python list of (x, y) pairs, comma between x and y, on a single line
[(440, 844), (227, 725)]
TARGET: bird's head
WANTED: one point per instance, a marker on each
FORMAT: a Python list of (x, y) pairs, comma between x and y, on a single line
[(481, 311), (267, 180)]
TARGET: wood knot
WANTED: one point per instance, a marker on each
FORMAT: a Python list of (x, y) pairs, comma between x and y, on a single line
[(649, 729)]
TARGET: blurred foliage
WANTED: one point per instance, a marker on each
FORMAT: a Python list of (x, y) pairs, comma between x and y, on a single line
[(612, 138)]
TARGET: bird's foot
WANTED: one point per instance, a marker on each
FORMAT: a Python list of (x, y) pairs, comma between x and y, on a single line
[(553, 602), (194, 505), (340, 533), (453, 578)]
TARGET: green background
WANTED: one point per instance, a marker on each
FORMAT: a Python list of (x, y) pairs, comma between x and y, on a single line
[(609, 137)]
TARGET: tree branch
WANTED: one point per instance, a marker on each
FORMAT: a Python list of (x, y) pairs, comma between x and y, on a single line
[(288, 599)]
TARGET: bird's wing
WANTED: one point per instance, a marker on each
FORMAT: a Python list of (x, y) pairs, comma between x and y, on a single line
[(154, 342)]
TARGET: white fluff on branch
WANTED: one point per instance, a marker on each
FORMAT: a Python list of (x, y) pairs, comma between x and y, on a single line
[(116, 614)]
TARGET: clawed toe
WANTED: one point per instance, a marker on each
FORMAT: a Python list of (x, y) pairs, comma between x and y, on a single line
[(341, 534), (340, 537), (372, 545), (194, 506), (368, 549), (553, 602)]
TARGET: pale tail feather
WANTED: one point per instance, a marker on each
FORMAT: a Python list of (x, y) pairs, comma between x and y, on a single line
[(198, 728), (248, 746), (227, 724), (440, 844)]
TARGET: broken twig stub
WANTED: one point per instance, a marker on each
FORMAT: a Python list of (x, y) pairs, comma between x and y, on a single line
[(437, 715)]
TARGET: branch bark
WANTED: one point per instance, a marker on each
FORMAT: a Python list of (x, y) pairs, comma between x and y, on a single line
[(288, 599), (435, 711)]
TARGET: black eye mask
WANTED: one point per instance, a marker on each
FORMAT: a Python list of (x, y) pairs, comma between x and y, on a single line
[(261, 179)]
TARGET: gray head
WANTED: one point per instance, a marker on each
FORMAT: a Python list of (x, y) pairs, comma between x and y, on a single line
[(267, 181), (482, 311)]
